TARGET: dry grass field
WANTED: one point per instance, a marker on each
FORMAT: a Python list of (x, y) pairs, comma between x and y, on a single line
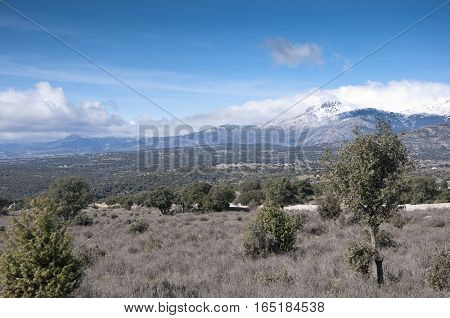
[(200, 255)]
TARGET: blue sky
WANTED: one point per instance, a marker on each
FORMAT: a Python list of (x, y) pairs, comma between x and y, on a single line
[(196, 56)]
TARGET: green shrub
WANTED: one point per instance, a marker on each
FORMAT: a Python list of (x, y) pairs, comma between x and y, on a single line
[(439, 272), (161, 198), (329, 207), (138, 227), (88, 256), (38, 260), (193, 195), (271, 231), (219, 198), (251, 198), (71, 195), (280, 191), (268, 278), (83, 220), (385, 239), (304, 190), (360, 258)]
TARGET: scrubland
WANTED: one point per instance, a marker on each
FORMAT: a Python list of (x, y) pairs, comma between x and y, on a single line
[(200, 255)]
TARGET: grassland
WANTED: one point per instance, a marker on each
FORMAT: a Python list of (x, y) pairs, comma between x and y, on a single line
[(200, 255)]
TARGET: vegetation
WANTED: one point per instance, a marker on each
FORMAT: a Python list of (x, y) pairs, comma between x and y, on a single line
[(161, 198), (360, 258), (219, 198), (193, 195), (280, 191), (138, 227), (39, 260), (439, 272), (368, 175), (251, 193), (420, 189), (71, 195), (329, 207), (271, 231)]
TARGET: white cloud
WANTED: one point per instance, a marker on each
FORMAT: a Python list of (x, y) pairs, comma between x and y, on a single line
[(44, 112), (292, 54), (396, 96)]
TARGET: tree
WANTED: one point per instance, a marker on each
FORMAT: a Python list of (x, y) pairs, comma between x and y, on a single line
[(329, 207), (368, 175), (280, 191), (251, 192), (38, 260), (219, 198), (71, 195), (194, 195), (3, 205), (161, 198), (271, 231), (420, 189), (303, 190)]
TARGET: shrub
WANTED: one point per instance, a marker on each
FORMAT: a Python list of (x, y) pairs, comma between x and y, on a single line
[(193, 194), (88, 256), (299, 219), (153, 243), (161, 198), (268, 278), (360, 258), (420, 189), (303, 190), (271, 231), (385, 239), (399, 221), (329, 207), (439, 272), (251, 198), (138, 227), (279, 191), (83, 220), (4, 206), (70, 194), (38, 260), (219, 198), (434, 222), (166, 289)]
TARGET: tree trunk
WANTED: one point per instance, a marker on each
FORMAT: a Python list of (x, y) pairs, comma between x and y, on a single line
[(376, 255)]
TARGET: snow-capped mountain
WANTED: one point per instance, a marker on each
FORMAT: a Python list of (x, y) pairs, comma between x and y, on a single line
[(329, 123)]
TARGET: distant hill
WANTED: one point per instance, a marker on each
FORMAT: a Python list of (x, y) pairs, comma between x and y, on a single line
[(330, 123)]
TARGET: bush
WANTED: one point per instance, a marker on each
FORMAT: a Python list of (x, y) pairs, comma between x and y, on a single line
[(71, 195), (421, 189), (193, 194), (138, 227), (161, 198), (271, 231), (252, 198), (219, 198), (360, 258), (436, 222), (83, 220), (4, 206), (329, 207), (304, 190), (38, 260), (280, 192), (385, 239), (439, 272), (88, 256)]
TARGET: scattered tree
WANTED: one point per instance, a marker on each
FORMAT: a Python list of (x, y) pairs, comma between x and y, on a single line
[(329, 207), (161, 198), (219, 198), (194, 195), (280, 191), (420, 189), (71, 195), (368, 175)]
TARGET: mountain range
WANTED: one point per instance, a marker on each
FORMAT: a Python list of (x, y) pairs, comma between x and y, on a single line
[(329, 123)]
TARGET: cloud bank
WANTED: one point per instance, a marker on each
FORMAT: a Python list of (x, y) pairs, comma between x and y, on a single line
[(44, 112), (292, 54)]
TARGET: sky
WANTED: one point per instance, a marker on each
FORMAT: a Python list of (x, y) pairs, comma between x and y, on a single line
[(210, 62)]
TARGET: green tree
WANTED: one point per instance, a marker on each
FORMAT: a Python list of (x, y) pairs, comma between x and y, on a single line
[(219, 198), (194, 195), (161, 198), (71, 195), (420, 189), (280, 191), (38, 260), (250, 192), (368, 175), (303, 190)]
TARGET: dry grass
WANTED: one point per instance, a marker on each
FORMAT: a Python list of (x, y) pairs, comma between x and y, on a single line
[(190, 255)]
